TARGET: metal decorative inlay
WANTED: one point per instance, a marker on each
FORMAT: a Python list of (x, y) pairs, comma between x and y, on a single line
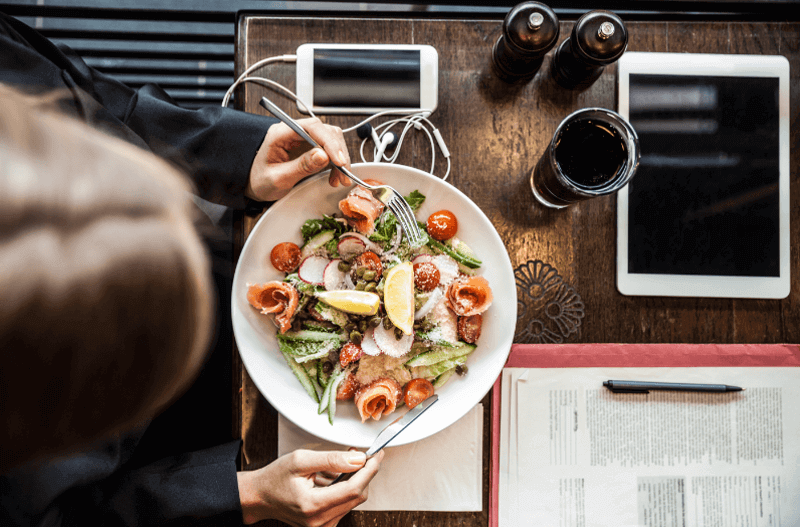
[(548, 309)]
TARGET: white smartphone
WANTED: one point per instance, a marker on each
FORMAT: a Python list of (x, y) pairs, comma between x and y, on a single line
[(367, 78)]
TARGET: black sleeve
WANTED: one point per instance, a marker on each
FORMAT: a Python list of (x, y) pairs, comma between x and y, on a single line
[(100, 487), (216, 146)]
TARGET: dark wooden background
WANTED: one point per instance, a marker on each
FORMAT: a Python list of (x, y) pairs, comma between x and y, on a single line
[(495, 133)]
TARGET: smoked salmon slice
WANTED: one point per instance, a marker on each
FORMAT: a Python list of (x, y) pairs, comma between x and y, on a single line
[(361, 208), (378, 398), (277, 298), (469, 295)]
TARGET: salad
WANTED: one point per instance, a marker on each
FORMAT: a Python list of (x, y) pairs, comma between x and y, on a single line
[(363, 316)]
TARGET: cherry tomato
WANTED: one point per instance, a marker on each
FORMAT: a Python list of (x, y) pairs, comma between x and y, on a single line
[(416, 391), (469, 328), (285, 257), (426, 276), (369, 260), (348, 388), (442, 225), (350, 352)]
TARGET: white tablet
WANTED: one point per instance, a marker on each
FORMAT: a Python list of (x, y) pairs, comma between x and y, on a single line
[(707, 213)]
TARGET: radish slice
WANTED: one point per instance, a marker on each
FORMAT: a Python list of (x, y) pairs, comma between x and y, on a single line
[(448, 269), (368, 344), (312, 270), (350, 247), (389, 345), (333, 278), (429, 304), (422, 258), (372, 246)]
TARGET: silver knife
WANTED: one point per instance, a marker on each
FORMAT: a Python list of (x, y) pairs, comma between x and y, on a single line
[(392, 431)]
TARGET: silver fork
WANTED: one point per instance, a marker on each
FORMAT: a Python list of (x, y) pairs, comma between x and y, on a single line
[(383, 193)]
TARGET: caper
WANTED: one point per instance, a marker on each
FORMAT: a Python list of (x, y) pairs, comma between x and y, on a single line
[(344, 266), (370, 287), (369, 275), (355, 336), (327, 367), (398, 333), (387, 324), (361, 285), (461, 370), (374, 322), (350, 327), (362, 326), (418, 303), (360, 272)]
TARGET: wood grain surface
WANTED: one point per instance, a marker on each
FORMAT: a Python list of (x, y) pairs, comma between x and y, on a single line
[(496, 133)]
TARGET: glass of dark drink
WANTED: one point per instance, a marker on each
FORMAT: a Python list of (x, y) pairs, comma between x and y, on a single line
[(594, 152)]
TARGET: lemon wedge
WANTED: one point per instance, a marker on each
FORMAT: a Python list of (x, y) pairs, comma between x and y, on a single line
[(353, 302), (398, 296)]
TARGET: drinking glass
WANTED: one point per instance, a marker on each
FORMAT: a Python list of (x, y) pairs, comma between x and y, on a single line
[(594, 152)]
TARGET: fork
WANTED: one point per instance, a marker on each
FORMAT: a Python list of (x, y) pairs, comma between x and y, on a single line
[(383, 193)]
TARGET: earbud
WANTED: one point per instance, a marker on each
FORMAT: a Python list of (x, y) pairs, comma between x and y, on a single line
[(388, 141)]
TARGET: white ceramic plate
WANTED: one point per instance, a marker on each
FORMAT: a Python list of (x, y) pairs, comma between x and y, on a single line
[(255, 334)]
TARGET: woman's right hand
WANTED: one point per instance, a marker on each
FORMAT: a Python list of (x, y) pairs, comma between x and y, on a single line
[(287, 490)]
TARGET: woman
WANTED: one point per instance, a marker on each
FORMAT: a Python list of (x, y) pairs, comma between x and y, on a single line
[(105, 319)]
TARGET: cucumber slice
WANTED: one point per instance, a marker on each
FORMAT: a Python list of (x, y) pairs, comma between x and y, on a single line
[(442, 379), (325, 399), (302, 376), (311, 335), (311, 369), (434, 370), (441, 353), (316, 242), (469, 261)]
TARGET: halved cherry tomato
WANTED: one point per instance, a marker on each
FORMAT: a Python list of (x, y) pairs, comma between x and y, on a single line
[(442, 225), (469, 328), (416, 391), (369, 260), (426, 276), (350, 353), (348, 387), (285, 257)]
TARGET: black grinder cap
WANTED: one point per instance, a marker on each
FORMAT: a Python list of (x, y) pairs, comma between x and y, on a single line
[(531, 28), (599, 38)]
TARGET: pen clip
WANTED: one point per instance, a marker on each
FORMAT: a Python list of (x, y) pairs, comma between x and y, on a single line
[(624, 390)]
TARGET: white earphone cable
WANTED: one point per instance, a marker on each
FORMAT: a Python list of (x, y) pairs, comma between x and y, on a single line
[(413, 119)]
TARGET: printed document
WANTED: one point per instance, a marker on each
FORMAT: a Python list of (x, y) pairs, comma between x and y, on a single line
[(574, 454)]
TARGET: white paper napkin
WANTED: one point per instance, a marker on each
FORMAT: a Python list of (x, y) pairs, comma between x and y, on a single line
[(441, 473)]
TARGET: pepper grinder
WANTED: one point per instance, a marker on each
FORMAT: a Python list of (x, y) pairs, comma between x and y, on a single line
[(530, 30), (598, 39)]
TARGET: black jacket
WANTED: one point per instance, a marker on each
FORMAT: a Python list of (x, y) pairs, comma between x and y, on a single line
[(114, 484)]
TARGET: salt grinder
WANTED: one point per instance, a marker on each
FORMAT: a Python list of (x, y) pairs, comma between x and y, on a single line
[(598, 39), (530, 30)]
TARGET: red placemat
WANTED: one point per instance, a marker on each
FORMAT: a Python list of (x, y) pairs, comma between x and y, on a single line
[(628, 356)]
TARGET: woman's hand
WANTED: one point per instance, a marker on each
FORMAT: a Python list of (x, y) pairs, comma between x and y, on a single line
[(284, 158), (287, 490)]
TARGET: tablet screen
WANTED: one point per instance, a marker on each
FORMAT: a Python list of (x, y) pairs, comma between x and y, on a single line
[(705, 199)]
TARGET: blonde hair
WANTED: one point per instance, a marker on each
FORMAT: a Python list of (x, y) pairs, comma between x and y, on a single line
[(106, 304)]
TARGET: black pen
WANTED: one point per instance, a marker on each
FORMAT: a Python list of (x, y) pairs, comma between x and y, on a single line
[(645, 387)]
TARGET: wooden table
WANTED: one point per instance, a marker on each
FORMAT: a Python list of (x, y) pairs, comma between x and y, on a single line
[(496, 133)]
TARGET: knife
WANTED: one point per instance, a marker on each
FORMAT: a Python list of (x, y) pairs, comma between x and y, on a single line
[(392, 431)]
